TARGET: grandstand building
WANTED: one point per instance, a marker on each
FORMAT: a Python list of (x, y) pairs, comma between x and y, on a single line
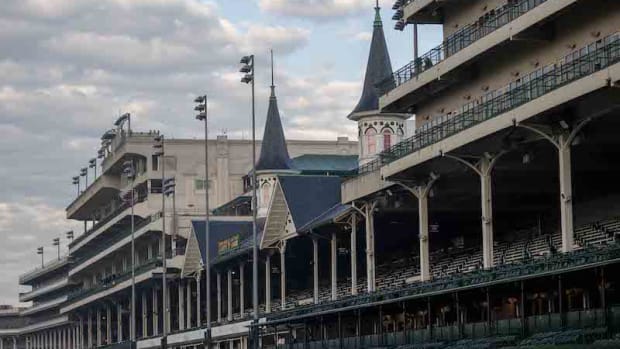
[(494, 225)]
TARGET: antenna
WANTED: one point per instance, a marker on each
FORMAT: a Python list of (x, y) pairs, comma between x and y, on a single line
[(272, 85)]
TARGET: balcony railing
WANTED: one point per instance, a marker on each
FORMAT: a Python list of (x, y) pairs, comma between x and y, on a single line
[(114, 280), (112, 212), (103, 245), (574, 66), (457, 42), (41, 270), (551, 264)]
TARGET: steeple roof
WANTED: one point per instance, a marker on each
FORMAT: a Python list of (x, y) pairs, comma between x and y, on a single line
[(274, 153), (378, 69)]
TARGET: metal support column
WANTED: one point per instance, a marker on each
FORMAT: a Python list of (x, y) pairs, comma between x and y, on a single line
[(229, 294), (354, 254), (181, 298), (268, 283), (370, 246), (241, 290), (188, 304), (155, 314), (334, 266), (315, 269), (219, 296), (108, 325), (283, 275)]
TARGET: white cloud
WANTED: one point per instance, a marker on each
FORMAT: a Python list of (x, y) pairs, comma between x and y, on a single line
[(363, 36), (318, 9)]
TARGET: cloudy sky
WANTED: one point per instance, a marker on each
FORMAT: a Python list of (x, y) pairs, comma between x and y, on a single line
[(69, 67)]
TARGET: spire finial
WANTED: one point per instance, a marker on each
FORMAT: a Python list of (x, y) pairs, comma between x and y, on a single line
[(272, 84), (378, 22)]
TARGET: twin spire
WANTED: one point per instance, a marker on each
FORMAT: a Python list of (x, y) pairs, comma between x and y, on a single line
[(274, 152), (378, 69)]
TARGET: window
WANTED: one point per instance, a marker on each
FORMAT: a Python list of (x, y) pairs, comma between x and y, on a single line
[(387, 139), (155, 162), (265, 194), (371, 141), (199, 184)]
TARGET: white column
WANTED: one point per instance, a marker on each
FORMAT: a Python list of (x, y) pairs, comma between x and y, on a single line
[(198, 300), (145, 316), (334, 273), (425, 269), (14, 342), (566, 193), (99, 337), (167, 314), (188, 303), (268, 284), (181, 297), (370, 247), (229, 291), (486, 196), (241, 290), (354, 254), (81, 334), (219, 297), (283, 275), (155, 313), (119, 322), (89, 327), (315, 267)]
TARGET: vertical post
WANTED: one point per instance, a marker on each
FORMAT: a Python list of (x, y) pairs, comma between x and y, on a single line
[(561, 300), (425, 269), (132, 325), (486, 195), (315, 267), (181, 298), (90, 328), (188, 303), (566, 193), (268, 283), (198, 305), (219, 296), (108, 325), (283, 275), (164, 282), (198, 301), (145, 317), (334, 266), (370, 247), (98, 327), (429, 324), (415, 42), (354, 254), (155, 313), (254, 211), (241, 289), (81, 334), (229, 294), (522, 310)]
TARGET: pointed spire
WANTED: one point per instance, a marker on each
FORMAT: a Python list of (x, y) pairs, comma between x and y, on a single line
[(274, 152), (378, 69)]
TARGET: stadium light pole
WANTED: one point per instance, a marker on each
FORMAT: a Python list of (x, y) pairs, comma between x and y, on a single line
[(56, 242), (84, 173), (92, 163), (130, 172), (158, 151), (76, 182), (70, 235), (201, 108), (248, 78), (40, 251)]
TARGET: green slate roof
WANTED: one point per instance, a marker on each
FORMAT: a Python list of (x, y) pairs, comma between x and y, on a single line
[(325, 164)]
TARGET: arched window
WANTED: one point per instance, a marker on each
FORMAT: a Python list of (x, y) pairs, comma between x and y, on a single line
[(371, 141), (387, 138), (265, 193)]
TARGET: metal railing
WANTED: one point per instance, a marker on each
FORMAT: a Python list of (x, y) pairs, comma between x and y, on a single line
[(103, 245), (113, 212), (115, 279), (456, 42), (40, 270), (574, 66), (532, 268)]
